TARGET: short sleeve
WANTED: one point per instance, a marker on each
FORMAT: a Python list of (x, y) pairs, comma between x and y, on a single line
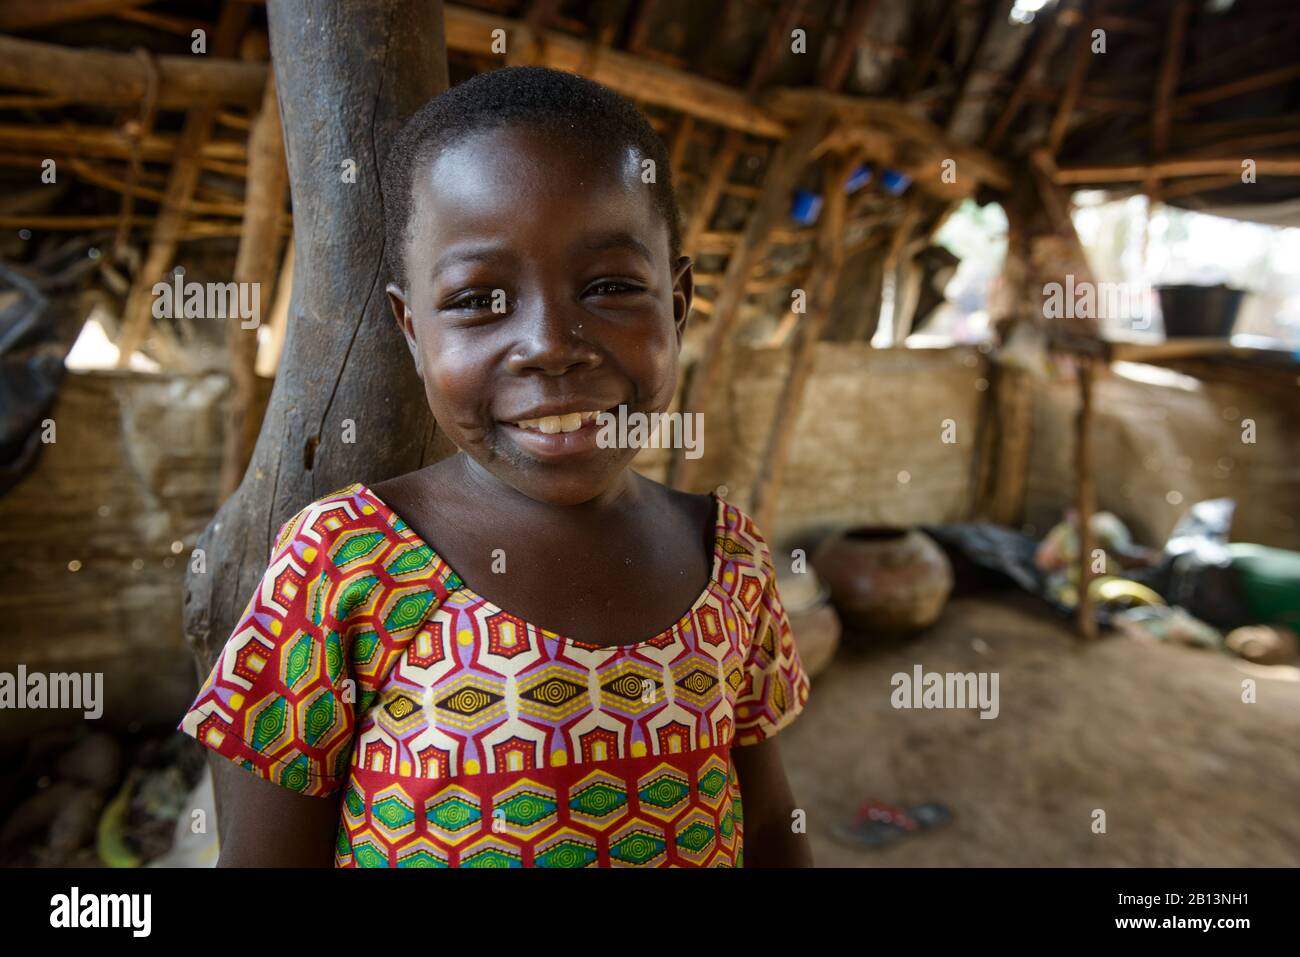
[(280, 699), (775, 687)]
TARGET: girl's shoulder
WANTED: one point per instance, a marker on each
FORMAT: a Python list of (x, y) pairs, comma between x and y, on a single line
[(322, 519), (351, 534), (733, 531)]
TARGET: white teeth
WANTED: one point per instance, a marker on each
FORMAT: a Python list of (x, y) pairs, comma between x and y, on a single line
[(551, 424)]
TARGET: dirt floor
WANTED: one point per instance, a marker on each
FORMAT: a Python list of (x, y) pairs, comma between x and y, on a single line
[(1157, 736)]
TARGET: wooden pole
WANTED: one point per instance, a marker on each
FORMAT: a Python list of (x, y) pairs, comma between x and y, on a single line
[(160, 258), (776, 40), (681, 143), (98, 76), (344, 358), (1167, 81), (1081, 57), (470, 31), (268, 357), (1173, 169), (821, 296), (702, 215), (18, 15), (841, 61), (83, 141), (255, 263), (1042, 42), (786, 165), (1085, 497), (1260, 81)]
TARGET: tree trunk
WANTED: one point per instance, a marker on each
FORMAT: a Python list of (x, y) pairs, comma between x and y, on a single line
[(347, 404)]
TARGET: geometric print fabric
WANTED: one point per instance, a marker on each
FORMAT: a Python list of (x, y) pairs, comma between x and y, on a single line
[(461, 735)]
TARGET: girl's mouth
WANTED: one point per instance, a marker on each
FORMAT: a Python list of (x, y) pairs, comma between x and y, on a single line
[(555, 424), (557, 436)]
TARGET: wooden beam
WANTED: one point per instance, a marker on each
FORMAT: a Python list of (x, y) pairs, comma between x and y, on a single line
[(1197, 184), (821, 296), (159, 259), (782, 172), (97, 176), (191, 230), (1080, 58), (1260, 81), (269, 352), (1173, 169), (925, 62), (681, 142), (991, 11), (470, 31), (1167, 82), (80, 141), (837, 67), (18, 15), (702, 215), (1085, 496), (97, 76), (769, 54), (638, 33), (894, 119), (181, 26), (1044, 36), (255, 264)]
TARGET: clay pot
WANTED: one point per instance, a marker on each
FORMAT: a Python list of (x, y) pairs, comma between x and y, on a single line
[(890, 581), (813, 621)]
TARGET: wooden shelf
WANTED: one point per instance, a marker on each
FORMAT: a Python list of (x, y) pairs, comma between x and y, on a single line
[(1242, 350), (1248, 349)]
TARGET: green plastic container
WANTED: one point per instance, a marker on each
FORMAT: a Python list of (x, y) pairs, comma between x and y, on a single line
[(1270, 583)]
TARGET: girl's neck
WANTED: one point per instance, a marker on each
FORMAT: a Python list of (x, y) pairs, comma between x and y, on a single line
[(626, 492)]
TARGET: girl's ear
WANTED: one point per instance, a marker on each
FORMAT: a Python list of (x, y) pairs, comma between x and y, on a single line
[(397, 302), (683, 290)]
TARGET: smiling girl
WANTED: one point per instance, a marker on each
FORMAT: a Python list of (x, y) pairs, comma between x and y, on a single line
[(526, 654)]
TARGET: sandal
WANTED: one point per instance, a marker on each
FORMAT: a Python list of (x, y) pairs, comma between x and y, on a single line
[(878, 824)]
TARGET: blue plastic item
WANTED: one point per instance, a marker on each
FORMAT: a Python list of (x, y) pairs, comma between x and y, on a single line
[(895, 183), (806, 207), (860, 178)]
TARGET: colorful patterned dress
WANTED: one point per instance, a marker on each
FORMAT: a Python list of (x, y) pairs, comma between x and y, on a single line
[(463, 736)]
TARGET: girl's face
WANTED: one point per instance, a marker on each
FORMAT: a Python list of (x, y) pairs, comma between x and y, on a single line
[(540, 287)]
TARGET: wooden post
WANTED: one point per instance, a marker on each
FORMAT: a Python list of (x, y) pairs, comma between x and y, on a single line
[(681, 143), (1042, 43), (259, 253), (786, 165), (775, 43), (184, 176), (348, 73), (1166, 86), (702, 215), (821, 295), (268, 356), (29, 14), (1085, 497), (1081, 57), (98, 76), (841, 61)]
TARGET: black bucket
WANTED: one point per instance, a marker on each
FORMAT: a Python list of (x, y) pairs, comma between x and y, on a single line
[(1199, 312)]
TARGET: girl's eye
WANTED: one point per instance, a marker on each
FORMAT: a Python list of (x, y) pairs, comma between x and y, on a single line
[(612, 287), (477, 302)]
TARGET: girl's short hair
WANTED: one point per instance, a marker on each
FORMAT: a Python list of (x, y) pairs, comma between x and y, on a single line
[(565, 105)]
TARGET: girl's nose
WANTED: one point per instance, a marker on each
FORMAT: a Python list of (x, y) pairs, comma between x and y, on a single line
[(551, 342)]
